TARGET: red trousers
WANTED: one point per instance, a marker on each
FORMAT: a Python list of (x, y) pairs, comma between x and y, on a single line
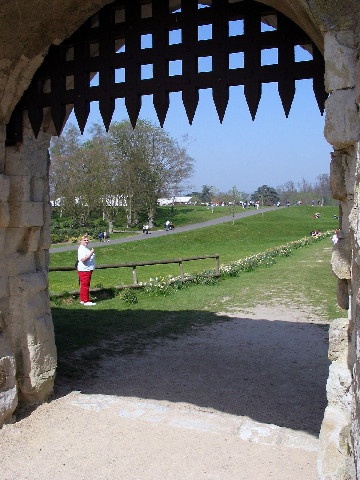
[(85, 279)]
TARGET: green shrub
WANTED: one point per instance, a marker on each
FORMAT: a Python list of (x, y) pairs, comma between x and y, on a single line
[(129, 296)]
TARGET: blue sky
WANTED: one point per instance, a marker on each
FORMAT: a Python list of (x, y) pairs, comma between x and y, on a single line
[(240, 152)]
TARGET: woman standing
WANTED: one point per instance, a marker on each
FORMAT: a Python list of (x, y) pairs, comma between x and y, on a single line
[(86, 266)]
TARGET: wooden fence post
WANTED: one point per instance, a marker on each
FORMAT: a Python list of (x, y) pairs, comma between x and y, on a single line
[(181, 271), (135, 275)]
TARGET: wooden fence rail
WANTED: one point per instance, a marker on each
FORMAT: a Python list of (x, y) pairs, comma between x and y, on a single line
[(134, 265)]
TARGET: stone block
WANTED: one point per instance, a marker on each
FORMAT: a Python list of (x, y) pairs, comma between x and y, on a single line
[(27, 284), (342, 126), (23, 240), (350, 164), (338, 386), (4, 309), (338, 339), (39, 368), (341, 259), (8, 388), (41, 330), (357, 86), (23, 310), (31, 158), (342, 293), (47, 214), (39, 189), (18, 162), (26, 214), (2, 239), (339, 54), (20, 188), (42, 260), (4, 196), (337, 176), (2, 322), (45, 238), (4, 286), (18, 263), (334, 458), (4, 188), (4, 214)]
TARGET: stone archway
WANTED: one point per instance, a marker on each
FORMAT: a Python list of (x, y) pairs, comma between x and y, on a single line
[(27, 349)]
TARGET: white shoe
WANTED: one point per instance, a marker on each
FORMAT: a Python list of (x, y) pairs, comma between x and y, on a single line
[(82, 303), (89, 304)]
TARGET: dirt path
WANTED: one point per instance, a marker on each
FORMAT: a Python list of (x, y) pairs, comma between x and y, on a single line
[(239, 400)]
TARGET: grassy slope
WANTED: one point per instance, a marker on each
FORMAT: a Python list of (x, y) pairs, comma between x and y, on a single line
[(232, 242)]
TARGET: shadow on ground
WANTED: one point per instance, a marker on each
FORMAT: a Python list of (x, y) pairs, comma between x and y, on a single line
[(273, 371)]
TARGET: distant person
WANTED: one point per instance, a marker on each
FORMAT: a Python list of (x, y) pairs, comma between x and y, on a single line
[(85, 268), (335, 237), (106, 237), (100, 236), (167, 225), (146, 229)]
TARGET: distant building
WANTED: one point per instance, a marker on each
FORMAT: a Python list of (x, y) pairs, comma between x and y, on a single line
[(108, 200), (162, 202)]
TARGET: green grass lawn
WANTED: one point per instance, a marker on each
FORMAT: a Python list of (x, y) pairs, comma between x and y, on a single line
[(182, 215), (232, 242)]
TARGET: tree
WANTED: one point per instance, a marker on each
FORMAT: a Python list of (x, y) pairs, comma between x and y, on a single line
[(127, 168), (152, 163), (288, 193), (105, 176), (306, 191), (234, 197), (265, 195), (66, 174), (207, 193), (322, 188)]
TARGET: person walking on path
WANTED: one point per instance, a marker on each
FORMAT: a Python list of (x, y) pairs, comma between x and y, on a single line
[(85, 268)]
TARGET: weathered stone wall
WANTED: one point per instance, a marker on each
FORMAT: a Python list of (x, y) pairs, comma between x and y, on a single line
[(338, 448), (27, 348)]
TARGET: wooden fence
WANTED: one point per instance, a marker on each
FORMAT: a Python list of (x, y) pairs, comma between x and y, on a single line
[(134, 265)]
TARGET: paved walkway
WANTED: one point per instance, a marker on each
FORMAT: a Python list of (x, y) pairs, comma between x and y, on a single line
[(159, 233)]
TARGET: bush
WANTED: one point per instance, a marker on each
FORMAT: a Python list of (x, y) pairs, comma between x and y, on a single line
[(129, 296)]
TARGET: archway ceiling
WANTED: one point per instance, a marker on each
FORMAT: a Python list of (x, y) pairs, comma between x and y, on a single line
[(64, 80)]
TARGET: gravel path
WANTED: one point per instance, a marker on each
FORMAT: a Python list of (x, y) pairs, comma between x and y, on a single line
[(241, 399)]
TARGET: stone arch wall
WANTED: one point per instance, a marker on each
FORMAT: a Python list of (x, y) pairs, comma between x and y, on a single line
[(27, 348)]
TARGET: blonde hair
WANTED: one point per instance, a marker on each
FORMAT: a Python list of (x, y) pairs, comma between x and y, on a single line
[(84, 237)]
